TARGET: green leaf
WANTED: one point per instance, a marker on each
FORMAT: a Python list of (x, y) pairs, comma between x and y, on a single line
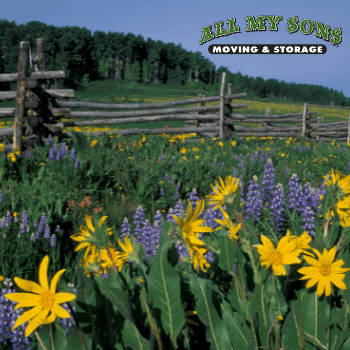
[(258, 305), (164, 291), (118, 297), (132, 337), (333, 232), (75, 341), (315, 319), (291, 336), (227, 254), (238, 331), (216, 332), (53, 338)]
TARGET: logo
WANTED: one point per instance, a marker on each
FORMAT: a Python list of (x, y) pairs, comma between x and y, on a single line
[(306, 26)]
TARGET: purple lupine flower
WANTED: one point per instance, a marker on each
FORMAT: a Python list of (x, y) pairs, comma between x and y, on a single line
[(2, 222), (41, 226), (172, 179), (178, 186), (58, 229), (53, 241), (139, 219), (295, 193), (214, 163), (22, 229), (76, 163), (178, 209), (182, 249), (49, 140), (28, 155), (24, 218), (166, 177), (32, 238), (173, 159), (263, 156), (72, 154), (222, 166), (58, 155), (68, 323), (210, 219), (209, 256), (193, 197), (252, 159), (161, 192), (309, 220), (176, 195), (145, 238), (47, 232), (7, 150), (35, 223), (8, 219), (277, 209), (234, 174), (254, 203), (286, 171), (161, 157), (125, 229), (268, 180), (63, 152), (241, 164), (157, 229), (52, 155), (169, 216)]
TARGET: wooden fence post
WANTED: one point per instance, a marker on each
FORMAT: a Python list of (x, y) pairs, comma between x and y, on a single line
[(41, 56), (22, 68), (199, 104), (222, 101), (318, 123), (229, 88), (304, 119), (267, 113)]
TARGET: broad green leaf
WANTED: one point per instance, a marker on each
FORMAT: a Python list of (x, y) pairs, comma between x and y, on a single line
[(227, 254), (291, 336), (216, 332), (132, 337), (258, 305), (118, 297), (53, 338), (164, 291), (238, 331), (333, 232), (75, 341), (315, 319), (240, 268)]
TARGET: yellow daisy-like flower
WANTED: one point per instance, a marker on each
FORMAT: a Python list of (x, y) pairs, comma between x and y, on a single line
[(233, 229), (92, 263), (302, 242), (342, 208), (190, 232), (342, 181), (183, 150), (225, 193), (44, 301), (119, 258), (11, 156), (85, 234), (93, 143), (324, 272), (284, 254)]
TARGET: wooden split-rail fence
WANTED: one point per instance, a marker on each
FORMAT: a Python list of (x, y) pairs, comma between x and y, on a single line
[(42, 107)]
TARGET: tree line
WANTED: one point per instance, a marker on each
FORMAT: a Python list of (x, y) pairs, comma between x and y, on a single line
[(88, 57)]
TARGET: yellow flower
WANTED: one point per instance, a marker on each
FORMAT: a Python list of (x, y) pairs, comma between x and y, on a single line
[(190, 232), (280, 318), (118, 258), (225, 193), (183, 150), (268, 149), (2, 278), (342, 181), (44, 301), (324, 272), (282, 155), (299, 161), (84, 234), (302, 242), (11, 156), (221, 144), (233, 229), (284, 254), (233, 143), (185, 159), (93, 143), (143, 138)]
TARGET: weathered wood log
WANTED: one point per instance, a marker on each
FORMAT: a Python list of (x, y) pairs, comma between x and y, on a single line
[(222, 105), (284, 126), (32, 120), (147, 131), (7, 112), (265, 129), (140, 120), (60, 112), (59, 93), (7, 132), (266, 134), (55, 74), (31, 101), (22, 67), (330, 133), (259, 121), (326, 125), (31, 83), (82, 104), (263, 116), (98, 114), (41, 56), (9, 77), (32, 140), (58, 127)]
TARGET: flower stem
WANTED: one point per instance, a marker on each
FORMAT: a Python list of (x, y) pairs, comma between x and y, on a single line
[(39, 340)]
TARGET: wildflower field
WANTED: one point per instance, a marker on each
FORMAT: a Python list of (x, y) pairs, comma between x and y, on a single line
[(161, 242)]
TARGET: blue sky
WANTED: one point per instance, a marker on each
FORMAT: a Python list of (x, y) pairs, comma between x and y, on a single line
[(182, 21)]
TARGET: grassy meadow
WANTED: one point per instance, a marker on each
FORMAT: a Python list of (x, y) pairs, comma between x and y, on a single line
[(114, 175)]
